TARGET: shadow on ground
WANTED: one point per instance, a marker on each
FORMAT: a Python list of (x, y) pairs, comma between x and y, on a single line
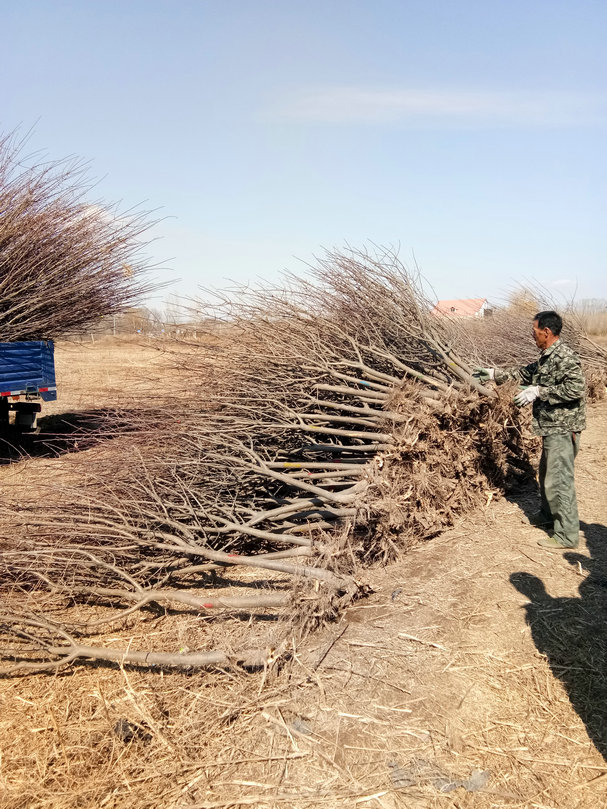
[(572, 632), (525, 495), (65, 432)]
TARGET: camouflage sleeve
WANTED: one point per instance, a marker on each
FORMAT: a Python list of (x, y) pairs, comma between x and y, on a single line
[(522, 374), (569, 384)]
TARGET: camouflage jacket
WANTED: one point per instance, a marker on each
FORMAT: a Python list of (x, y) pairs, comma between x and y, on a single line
[(561, 404)]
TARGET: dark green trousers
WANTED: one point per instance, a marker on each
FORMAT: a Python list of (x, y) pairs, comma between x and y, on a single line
[(557, 486)]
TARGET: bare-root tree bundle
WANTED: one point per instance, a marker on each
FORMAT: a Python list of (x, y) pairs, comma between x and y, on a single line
[(346, 373), (64, 261), (337, 424)]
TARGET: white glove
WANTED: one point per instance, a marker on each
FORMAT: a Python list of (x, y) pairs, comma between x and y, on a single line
[(527, 395), (484, 374)]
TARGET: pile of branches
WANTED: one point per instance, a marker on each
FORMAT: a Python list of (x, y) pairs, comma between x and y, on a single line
[(345, 380), (64, 261), (336, 425)]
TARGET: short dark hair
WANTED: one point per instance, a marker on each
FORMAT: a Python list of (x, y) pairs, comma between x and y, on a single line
[(550, 320)]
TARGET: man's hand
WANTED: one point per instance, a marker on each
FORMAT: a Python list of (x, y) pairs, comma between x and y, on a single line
[(527, 395), (483, 374)]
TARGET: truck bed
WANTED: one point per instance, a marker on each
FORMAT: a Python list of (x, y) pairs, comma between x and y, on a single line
[(28, 369)]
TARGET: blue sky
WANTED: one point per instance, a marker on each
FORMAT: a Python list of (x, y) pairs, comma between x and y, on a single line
[(472, 134)]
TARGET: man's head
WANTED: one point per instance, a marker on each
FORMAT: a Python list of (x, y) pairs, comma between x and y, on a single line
[(546, 328)]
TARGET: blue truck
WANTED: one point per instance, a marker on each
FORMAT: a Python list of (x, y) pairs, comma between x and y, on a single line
[(27, 375)]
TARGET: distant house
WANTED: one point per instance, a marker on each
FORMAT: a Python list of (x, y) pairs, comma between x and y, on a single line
[(466, 307)]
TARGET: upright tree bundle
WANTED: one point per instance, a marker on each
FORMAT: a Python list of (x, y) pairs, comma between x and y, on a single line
[(64, 260)]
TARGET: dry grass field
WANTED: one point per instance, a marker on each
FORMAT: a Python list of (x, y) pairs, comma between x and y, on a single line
[(471, 677), (595, 323), (109, 372), (92, 378)]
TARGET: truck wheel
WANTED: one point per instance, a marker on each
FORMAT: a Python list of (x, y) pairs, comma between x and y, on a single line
[(3, 413), (25, 416)]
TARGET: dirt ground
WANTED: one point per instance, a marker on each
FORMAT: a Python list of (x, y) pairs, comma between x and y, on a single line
[(472, 677), (480, 654)]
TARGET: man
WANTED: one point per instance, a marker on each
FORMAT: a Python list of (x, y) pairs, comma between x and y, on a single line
[(555, 385)]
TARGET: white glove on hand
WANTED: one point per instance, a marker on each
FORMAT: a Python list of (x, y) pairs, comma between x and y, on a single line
[(527, 395), (484, 374)]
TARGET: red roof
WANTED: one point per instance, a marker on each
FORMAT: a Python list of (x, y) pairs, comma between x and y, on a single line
[(465, 307)]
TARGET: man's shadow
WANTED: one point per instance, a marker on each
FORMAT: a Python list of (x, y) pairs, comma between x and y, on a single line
[(572, 632)]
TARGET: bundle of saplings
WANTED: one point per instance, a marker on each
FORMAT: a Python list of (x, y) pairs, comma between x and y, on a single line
[(65, 260), (338, 422)]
